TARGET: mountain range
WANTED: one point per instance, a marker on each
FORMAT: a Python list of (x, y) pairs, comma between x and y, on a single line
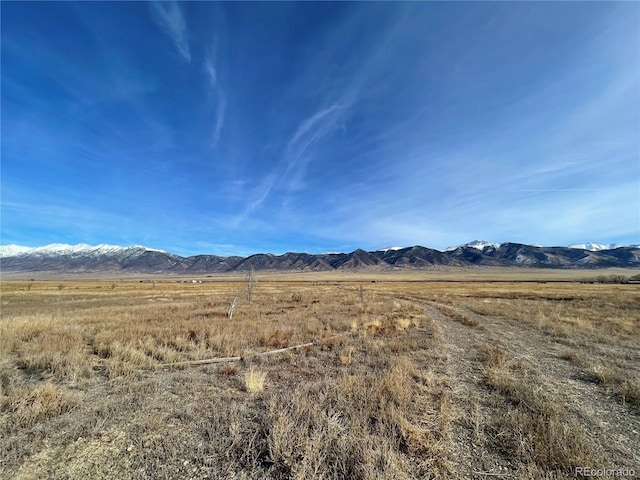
[(82, 258)]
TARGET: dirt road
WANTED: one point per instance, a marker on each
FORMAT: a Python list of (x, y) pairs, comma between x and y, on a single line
[(612, 427)]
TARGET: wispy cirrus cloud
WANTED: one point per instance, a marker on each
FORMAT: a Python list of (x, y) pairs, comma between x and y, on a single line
[(169, 16), (298, 152), (312, 130), (310, 133), (210, 69), (214, 83), (255, 198), (221, 108)]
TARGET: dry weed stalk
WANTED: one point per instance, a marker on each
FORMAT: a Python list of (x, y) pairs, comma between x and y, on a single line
[(232, 307)]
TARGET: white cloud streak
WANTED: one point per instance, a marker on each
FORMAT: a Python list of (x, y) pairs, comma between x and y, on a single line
[(255, 198), (310, 133), (220, 113), (311, 130), (297, 153), (169, 16), (211, 71)]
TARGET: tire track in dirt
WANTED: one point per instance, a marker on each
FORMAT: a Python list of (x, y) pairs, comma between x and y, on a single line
[(615, 427), (464, 371), (592, 404)]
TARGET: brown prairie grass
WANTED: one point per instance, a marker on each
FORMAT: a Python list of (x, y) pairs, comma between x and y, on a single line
[(364, 425), (458, 316), (31, 405), (97, 339), (82, 394), (567, 310), (533, 427), (607, 373)]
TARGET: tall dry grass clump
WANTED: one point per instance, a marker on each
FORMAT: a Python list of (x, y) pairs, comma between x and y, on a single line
[(254, 380), (28, 406), (624, 385), (44, 344)]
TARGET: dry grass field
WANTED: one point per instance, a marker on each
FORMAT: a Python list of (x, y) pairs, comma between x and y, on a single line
[(397, 379)]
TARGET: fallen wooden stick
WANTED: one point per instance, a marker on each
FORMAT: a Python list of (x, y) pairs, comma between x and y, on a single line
[(280, 350), (491, 474), (261, 354), (201, 362), (234, 359)]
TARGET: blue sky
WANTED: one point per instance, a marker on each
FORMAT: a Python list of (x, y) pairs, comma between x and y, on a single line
[(235, 128)]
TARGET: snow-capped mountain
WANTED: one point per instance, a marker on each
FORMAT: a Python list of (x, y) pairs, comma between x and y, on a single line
[(596, 247), (81, 249), (13, 250), (590, 246), (112, 259), (390, 249), (82, 258), (477, 244)]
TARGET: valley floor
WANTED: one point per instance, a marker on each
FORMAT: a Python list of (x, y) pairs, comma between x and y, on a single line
[(396, 379)]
